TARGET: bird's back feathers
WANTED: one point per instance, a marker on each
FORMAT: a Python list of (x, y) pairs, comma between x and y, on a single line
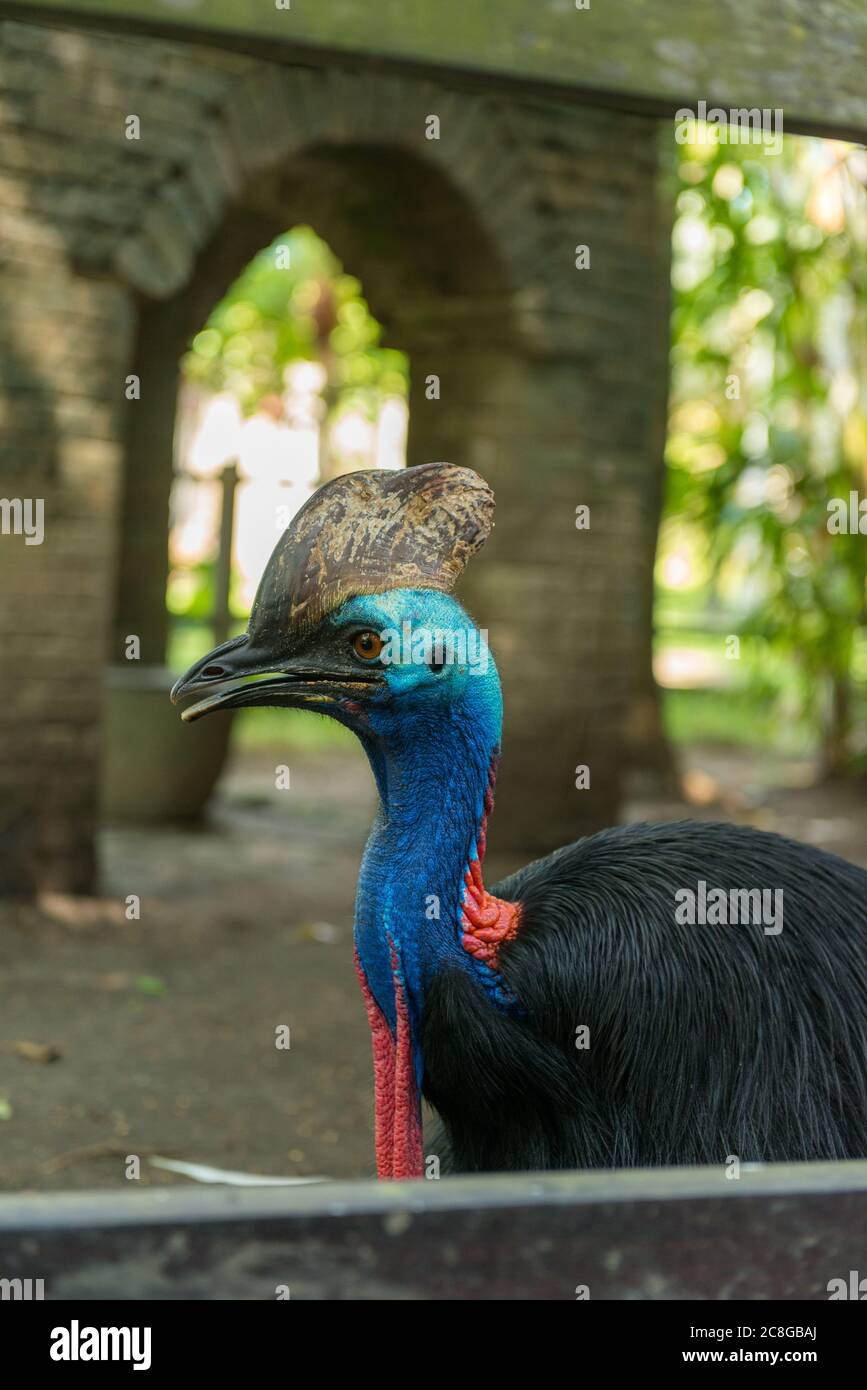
[(703, 1041)]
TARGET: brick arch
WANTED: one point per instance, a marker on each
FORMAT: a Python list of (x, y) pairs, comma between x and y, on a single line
[(552, 382), (267, 119), (426, 225)]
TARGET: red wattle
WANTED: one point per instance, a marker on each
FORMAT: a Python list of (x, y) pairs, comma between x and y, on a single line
[(487, 921), (398, 1114)]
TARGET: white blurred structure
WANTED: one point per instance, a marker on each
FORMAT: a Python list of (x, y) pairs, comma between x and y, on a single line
[(278, 451)]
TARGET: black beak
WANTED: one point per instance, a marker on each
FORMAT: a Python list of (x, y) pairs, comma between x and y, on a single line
[(297, 682)]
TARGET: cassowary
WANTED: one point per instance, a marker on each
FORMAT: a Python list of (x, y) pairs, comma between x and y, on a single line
[(572, 1015)]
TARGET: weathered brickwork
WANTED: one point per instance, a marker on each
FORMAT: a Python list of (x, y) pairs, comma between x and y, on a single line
[(552, 379)]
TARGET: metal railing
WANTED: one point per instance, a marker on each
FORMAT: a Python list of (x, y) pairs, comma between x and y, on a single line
[(782, 1232)]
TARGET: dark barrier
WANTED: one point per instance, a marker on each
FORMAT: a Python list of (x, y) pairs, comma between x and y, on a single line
[(777, 1232)]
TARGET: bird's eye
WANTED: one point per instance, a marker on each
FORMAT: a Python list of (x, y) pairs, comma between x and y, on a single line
[(440, 657), (367, 645)]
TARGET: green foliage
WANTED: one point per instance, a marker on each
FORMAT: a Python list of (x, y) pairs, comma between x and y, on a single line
[(190, 592), (150, 985), (769, 404), (277, 313), (725, 717)]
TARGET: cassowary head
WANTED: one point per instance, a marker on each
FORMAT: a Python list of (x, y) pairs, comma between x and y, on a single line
[(353, 616)]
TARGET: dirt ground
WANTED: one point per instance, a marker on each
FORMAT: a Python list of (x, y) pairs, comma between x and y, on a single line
[(156, 1037)]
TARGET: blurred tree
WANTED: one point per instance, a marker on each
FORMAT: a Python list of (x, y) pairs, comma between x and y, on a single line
[(293, 301), (768, 417)]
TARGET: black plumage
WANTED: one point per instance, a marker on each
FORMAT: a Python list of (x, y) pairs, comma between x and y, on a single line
[(704, 1041)]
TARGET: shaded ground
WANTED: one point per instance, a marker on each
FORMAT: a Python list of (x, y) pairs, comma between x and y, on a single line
[(164, 1027)]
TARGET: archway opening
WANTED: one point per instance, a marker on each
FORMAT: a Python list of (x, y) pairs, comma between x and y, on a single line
[(285, 383), (272, 326)]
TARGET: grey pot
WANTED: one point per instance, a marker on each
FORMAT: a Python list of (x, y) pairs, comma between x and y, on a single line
[(154, 767)]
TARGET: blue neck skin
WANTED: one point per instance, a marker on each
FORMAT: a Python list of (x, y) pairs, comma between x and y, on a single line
[(430, 740)]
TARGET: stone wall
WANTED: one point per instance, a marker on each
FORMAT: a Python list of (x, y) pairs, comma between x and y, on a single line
[(804, 56), (552, 379)]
